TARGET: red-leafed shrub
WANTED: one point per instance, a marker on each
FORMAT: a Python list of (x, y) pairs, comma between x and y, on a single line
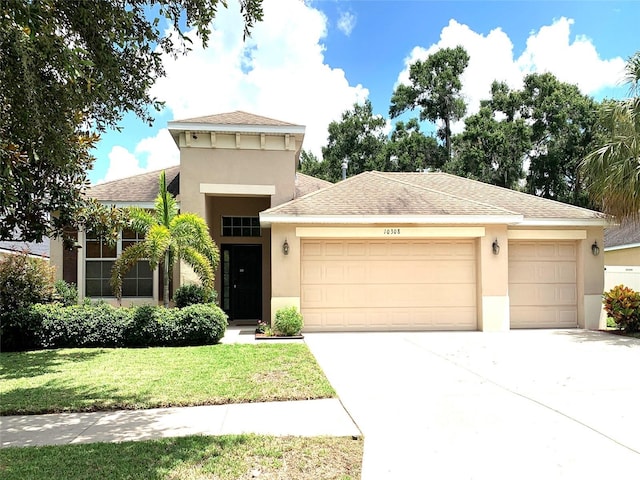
[(623, 305)]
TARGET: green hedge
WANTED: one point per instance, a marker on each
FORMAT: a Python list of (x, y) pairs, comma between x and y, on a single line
[(56, 326)]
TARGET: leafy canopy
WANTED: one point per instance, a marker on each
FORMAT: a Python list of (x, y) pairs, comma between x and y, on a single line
[(68, 71), (435, 89)]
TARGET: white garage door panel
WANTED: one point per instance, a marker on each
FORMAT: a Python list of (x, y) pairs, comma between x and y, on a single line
[(380, 296), (542, 284), (388, 284), (548, 272), (544, 317), (374, 271), (443, 318)]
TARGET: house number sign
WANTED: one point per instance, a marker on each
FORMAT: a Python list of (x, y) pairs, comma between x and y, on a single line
[(392, 231)]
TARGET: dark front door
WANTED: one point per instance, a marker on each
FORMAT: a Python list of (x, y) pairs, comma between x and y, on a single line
[(242, 281)]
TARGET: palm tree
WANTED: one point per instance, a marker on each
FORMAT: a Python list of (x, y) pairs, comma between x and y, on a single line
[(168, 235), (613, 170)]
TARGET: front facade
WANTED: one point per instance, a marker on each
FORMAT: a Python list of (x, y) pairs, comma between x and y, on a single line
[(378, 251)]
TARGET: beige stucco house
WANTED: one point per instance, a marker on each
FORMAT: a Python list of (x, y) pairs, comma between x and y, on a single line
[(378, 251)]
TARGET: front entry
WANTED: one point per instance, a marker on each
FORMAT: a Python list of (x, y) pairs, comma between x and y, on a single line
[(242, 281)]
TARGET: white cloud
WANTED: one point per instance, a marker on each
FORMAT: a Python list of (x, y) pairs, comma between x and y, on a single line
[(346, 22), (548, 50), (152, 153), (278, 72), (122, 163)]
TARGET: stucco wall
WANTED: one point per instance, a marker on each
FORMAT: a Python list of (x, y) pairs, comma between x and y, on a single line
[(623, 257)]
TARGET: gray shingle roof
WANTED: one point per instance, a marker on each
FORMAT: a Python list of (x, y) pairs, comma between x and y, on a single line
[(306, 184), (628, 233), (425, 194), (235, 118), (40, 249), (138, 188), (144, 187)]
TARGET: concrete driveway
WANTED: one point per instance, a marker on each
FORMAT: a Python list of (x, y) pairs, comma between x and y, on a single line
[(517, 405)]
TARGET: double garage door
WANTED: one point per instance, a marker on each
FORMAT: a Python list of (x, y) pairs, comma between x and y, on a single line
[(388, 284), (430, 284)]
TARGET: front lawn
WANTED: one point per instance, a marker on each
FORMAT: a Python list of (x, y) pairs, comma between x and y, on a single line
[(223, 458), (75, 380)]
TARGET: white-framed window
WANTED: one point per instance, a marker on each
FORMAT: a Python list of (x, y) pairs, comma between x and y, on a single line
[(241, 227), (99, 260)]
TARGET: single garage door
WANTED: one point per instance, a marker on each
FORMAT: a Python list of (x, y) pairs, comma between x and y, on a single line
[(542, 284), (388, 285)]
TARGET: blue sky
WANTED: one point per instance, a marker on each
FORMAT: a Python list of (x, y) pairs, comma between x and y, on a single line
[(307, 62)]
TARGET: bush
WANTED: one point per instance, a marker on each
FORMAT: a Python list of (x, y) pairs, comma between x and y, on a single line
[(623, 305), (66, 293), (193, 294), (200, 325), (288, 322), (56, 326), (24, 280)]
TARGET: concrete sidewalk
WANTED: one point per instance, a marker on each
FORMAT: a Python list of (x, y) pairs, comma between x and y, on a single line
[(298, 418)]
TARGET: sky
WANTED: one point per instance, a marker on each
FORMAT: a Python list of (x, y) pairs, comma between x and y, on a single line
[(308, 62)]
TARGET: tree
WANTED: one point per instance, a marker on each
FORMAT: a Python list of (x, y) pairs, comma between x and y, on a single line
[(68, 71), (168, 235), (491, 150), (310, 164), (359, 139), (410, 150), (435, 89), (612, 169), (563, 130)]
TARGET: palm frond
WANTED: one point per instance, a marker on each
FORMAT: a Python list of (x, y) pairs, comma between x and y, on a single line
[(140, 219), (190, 230), (158, 241), (124, 263), (200, 264), (166, 207)]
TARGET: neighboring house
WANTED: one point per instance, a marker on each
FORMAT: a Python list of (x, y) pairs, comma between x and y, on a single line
[(378, 251), (622, 256), (34, 249)]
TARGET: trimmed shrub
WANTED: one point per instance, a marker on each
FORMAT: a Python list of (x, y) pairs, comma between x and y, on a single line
[(200, 325), (192, 294), (623, 305), (56, 326), (81, 325), (66, 293), (24, 280), (18, 329), (288, 322)]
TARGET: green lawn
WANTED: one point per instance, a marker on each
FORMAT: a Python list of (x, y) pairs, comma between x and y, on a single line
[(73, 380), (189, 458)]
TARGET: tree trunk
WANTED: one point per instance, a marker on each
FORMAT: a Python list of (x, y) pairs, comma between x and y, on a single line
[(165, 279)]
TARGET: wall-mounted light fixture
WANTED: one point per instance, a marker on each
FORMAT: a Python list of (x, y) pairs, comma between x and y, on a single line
[(495, 247), (285, 247), (595, 249)]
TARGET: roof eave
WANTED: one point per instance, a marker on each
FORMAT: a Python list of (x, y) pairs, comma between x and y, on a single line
[(235, 128), (269, 219), (565, 222), (621, 247)]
